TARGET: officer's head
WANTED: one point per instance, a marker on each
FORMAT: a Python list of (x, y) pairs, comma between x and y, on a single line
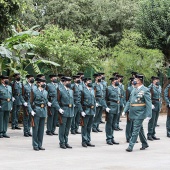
[(120, 78), (102, 75), (138, 81), (53, 78), (30, 78), (67, 81), (88, 82), (41, 76), (114, 81), (134, 74), (81, 74), (97, 77), (41, 82), (60, 76), (76, 79), (155, 80), (131, 80), (17, 76), (4, 80), (115, 74)]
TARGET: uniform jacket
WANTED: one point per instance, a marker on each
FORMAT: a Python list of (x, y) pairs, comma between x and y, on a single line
[(122, 95)]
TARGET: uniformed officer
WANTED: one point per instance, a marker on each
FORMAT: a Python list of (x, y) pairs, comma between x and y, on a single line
[(89, 108), (53, 105), (122, 101), (18, 100), (129, 121), (77, 102), (156, 103), (60, 79), (140, 108), (81, 74), (38, 111), (167, 100), (113, 102), (5, 105), (66, 102), (26, 95), (100, 102), (104, 83)]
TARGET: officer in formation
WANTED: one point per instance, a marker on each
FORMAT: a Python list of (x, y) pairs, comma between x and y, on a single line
[(67, 105), (5, 105), (155, 91), (140, 107)]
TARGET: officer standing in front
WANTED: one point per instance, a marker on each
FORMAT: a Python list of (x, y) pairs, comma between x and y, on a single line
[(38, 110), (140, 108), (5, 105), (66, 102), (89, 109), (113, 102), (156, 102)]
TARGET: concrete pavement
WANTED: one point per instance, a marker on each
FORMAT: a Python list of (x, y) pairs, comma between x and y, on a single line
[(16, 153)]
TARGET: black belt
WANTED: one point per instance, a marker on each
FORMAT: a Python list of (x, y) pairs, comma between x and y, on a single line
[(67, 105), (156, 99), (8, 100), (91, 107), (115, 101), (40, 105)]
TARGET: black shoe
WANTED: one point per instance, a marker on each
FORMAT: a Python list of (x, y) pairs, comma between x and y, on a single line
[(41, 148), (137, 142), (144, 147), (63, 146), (120, 129), (99, 130), (6, 136), (29, 134), (157, 125), (26, 135), (36, 149), (77, 132), (127, 141), (116, 129), (102, 122), (109, 143), (57, 125), (13, 128), (1, 136), (89, 144), (73, 133), (68, 146), (168, 136), (150, 138), (18, 128), (94, 130), (129, 150), (116, 143), (84, 145), (49, 133), (155, 138), (53, 133)]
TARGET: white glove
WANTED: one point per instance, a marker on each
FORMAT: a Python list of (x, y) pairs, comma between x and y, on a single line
[(61, 111), (153, 107), (123, 114), (49, 104), (83, 114), (25, 104), (97, 104), (148, 118), (33, 113), (13, 99), (169, 105), (107, 109)]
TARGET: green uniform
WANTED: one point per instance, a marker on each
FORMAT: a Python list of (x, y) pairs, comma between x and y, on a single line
[(167, 100), (140, 107), (122, 104), (66, 103), (39, 107), (156, 101), (129, 121), (113, 102), (53, 113), (104, 83), (99, 95), (18, 102), (5, 107), (77, 107), (26, 114), (88, 104)]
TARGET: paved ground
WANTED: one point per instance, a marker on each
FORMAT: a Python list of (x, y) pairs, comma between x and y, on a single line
[(16, 153)]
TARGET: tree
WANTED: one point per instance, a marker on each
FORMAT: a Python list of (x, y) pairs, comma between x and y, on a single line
[(127, 56), (153, 22)]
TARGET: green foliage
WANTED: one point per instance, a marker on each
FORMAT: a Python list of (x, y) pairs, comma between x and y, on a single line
[(127, 56), (64, 47), (153, 22)]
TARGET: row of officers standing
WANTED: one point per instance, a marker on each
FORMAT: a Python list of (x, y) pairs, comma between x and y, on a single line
[(81, 103)]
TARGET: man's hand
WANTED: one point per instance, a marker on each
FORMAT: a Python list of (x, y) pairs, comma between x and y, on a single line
[(153, 107), (61, 111), (123, 114), (25, 104), (49, 104), (97, 104), (148, 118), (83, 114), (107, 110), (33, 113), (13, 99)]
